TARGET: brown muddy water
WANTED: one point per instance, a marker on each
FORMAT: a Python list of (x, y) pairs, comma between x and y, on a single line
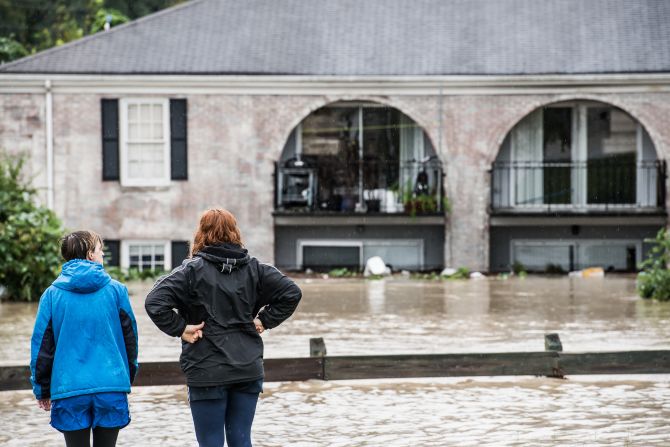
[(401, 316)]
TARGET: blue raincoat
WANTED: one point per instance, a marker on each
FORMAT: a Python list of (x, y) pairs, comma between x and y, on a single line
[(85, 336)]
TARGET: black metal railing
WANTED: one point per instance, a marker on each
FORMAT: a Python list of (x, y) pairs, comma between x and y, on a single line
[(329, 185), (594, 184)]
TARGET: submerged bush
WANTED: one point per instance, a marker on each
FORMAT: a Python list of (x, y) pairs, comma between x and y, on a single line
[(133, 274), (654, 279), (29, 234)]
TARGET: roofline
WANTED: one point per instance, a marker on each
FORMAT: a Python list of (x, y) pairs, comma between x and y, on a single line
[(320, 85)]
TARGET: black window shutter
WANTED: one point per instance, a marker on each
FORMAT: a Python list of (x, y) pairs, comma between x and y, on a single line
[(110, 139), (112, 252), (178, 140), (179, 252)]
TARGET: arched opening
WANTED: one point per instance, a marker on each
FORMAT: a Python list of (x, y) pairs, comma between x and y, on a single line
[(356, 180), (590, 167), (359, 157)]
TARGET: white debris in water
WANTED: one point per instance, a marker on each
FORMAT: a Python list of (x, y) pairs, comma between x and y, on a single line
[(448, 272), (376, 266)]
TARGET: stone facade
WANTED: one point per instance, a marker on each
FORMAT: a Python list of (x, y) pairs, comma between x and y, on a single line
[(234, 140)]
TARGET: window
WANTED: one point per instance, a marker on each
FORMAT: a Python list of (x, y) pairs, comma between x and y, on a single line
[(146, 255), (577, 154), (145, 142)]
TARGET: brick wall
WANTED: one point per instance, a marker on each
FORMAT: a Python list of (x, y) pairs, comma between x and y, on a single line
[(234, 141)]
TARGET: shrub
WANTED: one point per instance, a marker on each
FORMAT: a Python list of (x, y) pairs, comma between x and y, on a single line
[(133, 274), (654, 279), (29, 234)]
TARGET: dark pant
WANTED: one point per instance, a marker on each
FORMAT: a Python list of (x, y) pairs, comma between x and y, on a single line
[(102, 437), (230, 417)]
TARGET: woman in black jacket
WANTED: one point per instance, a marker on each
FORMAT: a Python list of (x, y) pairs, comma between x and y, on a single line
[(223, 300)]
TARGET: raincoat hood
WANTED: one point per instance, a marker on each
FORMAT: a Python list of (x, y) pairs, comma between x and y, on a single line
[(226, 257), (82, 276)]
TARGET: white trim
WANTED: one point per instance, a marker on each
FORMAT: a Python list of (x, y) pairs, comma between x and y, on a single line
[(158, 84), (123, 142), (49, 144), (124, 260)]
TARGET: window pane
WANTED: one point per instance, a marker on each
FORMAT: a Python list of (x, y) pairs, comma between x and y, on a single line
[(611, 136), (145, 113), (157, 131), (330, 143), (146, 160), (145, 131), (381, 143), (157, 113), (557, 148), (159, 249), (133, 131), (133, 112)]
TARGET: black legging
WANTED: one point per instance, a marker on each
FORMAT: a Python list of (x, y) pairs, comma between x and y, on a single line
[(102, 437)]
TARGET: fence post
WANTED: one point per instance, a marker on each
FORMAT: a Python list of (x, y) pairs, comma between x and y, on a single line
[(552, 342), (317, 347)]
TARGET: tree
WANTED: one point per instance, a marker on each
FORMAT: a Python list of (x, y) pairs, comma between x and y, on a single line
[(36, 25), (10, 49), (29, 234)]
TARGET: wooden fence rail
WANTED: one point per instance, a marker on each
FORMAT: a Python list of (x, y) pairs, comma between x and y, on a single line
[(323, 367)]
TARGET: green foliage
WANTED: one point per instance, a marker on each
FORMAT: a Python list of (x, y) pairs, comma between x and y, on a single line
[(116, 18), (36, 25), (133, 274), (461, 273), (29, 235), (10, 49), (422, 203), (518, 267), (554, 269), (654, 280), (430, 276), (341, 273)]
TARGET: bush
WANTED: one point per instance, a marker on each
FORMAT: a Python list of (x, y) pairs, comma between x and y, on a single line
[(133, 274), (29, 235), (654, 279)]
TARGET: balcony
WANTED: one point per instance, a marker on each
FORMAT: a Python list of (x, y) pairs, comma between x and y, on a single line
[(370, 187), (591, 187)]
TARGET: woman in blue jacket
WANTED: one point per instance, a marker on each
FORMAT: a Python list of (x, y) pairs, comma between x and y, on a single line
[(84, 347)]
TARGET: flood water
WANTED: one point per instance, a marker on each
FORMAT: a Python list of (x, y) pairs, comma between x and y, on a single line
[(399, 316)]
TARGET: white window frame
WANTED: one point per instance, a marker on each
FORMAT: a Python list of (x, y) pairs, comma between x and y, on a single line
[(125, 251), (123, 140)]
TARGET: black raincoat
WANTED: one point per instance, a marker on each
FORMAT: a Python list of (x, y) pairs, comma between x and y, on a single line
[(226, 288)]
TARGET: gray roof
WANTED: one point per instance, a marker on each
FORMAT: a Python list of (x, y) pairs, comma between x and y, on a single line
[(376, 37)]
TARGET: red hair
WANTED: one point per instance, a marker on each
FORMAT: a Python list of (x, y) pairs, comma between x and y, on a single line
[(217, 226)]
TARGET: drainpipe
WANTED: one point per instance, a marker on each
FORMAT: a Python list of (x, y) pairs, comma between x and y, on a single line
[(49, 145)]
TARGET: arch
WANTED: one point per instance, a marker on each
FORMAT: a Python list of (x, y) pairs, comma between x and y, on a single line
[(339, 157), (322, 102), (538, 103)]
